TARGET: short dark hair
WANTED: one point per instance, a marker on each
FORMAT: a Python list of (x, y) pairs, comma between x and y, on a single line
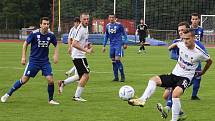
[(77, 19), (184, 23), (195, 14), (43, 18), (190, 30)]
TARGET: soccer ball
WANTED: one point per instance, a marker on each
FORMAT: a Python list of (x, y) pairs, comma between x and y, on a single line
[(126, 92)]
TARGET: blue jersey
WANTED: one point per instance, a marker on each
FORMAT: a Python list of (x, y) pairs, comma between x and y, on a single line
[(199, 33), (40, 46), (175, 51), (115, 32)]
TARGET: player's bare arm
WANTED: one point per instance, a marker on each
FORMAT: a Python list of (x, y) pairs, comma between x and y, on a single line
[(69, 45), (76, 44), (207, 66), (55, 57), (24, 49), (172, 46)]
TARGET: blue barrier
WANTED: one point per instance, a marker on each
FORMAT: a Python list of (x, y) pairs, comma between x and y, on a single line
[(132, 39)]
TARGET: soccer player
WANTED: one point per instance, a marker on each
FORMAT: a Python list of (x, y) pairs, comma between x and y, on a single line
[(79, 48), (182, 26), (39, 40), (142, 31), (75, 77), (115, 32), (189, 56), (195, 19)]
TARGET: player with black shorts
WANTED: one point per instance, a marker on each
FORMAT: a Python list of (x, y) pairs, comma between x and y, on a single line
[(190, 54), (80, 47), (142, 31)]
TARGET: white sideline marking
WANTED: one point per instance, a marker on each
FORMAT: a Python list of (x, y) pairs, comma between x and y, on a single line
[(99, 72)]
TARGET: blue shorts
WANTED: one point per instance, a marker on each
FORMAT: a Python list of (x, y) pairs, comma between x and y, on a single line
[(116, 51), (32, 69)]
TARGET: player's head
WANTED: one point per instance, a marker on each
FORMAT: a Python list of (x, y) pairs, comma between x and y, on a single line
[(182, 26), (84, 17), (44, 24), (141, 21), (76, 21), (195, 19), (189, 37), (112, 18)]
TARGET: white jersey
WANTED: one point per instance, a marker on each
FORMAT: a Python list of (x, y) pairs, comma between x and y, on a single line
[(188, 60), (72, 32), (81, 35)]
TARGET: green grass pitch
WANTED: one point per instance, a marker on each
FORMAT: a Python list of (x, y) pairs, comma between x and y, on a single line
[(29, 103)]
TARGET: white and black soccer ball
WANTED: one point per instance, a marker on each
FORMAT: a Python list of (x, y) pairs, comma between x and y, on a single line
[(126, 92)]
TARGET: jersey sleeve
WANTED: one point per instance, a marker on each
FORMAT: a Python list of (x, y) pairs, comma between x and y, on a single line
[(54, 40), (30, 38), (204, 56), (78, 34), (105, 36), (70, 33), (123, 34)]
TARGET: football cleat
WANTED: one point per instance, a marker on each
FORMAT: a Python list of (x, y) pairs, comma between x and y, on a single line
[(52, 102), (4, 98), (79, 99), (182, 116), (162, 110), (136, 102)]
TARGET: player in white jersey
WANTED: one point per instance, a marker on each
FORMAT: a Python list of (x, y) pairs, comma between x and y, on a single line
[(190, 55), (75, 77), (79, 48)]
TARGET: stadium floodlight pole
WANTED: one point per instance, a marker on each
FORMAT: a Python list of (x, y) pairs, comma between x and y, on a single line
[(144, 13), (52, 15), (59, 27), (114, 7)]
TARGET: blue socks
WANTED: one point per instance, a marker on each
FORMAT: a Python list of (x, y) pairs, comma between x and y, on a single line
[(51, 91), (169, 100), (196, 85), (16, 86), (115, 70), (120, 67)]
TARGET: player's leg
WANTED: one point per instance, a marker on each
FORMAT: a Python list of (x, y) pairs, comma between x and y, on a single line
[(69, 80), (167, 95), (83, 72), (196, 84), (68, 73), (176, 106), (181, 85), (31, 70), (153, 82), (141, 48), (47, 72), (114, 64), (118, 54)]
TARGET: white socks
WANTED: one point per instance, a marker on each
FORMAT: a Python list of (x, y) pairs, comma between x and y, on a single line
[(72, 69), (71, 79), (176, 107), (78, 92), (148, 91)]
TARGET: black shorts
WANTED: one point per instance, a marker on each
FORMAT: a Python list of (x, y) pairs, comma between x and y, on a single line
[(171, 80), (142, 39), (81, 65)]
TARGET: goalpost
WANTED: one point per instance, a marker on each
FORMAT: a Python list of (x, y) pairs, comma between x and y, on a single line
[(208, 24)]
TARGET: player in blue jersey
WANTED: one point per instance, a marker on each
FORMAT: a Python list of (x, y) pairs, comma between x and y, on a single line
[(115, 32), (195, 19), (39, 40), (174, 54)]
